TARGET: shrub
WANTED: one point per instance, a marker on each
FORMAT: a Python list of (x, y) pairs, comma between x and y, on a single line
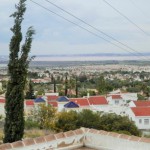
[(31, 124), (66, 121)]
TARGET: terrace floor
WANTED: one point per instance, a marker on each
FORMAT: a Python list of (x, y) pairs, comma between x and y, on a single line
[(84, 148)]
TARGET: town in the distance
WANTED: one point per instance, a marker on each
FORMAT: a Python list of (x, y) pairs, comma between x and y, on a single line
[(121, 88), (74, 75)]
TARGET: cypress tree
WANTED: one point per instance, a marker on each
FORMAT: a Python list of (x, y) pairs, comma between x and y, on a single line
[(102, 85), (30, 92), (76, 87), (54, 83), (66, 85), (17, 69)]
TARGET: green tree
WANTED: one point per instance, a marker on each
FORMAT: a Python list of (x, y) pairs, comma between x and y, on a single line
[(30, 92), (45, 116), (54, 83), (102, 85), (66, 85), (117, 123), (76, 86), (17, 69), (66, 121), (4, 84), (140, 97), (88, 119), (40, 92)]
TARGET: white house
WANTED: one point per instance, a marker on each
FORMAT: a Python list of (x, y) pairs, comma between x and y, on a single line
[(115, 100), (2, 106), (61, 101), (141, 116), (121, 99), (129, 96)]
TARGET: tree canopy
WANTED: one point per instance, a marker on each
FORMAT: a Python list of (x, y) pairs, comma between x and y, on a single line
[(17, 69)]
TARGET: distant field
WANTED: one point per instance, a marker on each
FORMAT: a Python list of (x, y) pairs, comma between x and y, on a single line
[(79, 63)]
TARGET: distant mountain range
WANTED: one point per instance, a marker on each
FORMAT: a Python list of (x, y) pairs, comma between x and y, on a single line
[(96, 55), (5, 58)]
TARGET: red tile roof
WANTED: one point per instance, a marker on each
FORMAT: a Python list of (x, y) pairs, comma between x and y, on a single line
[(29, 102), (97, 100), (52, 97), (141, 111), (54, 104), (2, 100), (80, 101), (116, 97), (142, 103)]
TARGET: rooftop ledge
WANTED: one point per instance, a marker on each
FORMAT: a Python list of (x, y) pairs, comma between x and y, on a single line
[(83, 137)]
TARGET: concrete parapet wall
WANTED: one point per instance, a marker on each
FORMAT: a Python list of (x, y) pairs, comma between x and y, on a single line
[(96, 139), (113, 141)]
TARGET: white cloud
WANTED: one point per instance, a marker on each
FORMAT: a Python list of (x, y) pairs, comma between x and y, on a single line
[(55, 35)]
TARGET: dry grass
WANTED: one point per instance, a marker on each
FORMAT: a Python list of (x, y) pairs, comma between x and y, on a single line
[(36, 133), (1, 136), (33, 133)]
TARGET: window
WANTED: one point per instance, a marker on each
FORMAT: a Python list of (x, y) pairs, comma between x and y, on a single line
[(116, 102), (140, 121), (146, 121)]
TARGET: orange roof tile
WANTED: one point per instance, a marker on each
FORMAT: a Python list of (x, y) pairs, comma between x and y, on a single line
[(97, 100), (2, 100), (116, 97), (29, 102), (141, 111), (80, 101), (142, 103), (52, 97)]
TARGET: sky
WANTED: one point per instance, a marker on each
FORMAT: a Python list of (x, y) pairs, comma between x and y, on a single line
[(55, 35)]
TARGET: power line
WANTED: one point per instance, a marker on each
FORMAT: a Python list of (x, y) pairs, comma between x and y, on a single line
[(139, 9), (83, 28), (93, 27), (126, 18)]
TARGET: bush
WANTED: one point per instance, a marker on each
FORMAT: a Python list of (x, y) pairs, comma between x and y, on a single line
[(31, 124), (110, 122), (45, 116), (88, 119), (113, 122), (66, 121)]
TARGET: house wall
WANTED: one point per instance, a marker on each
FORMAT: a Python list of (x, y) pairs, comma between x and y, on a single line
[(131, 104), (115, 102), (129, 96), (2, 109), (140, 122), (119, 110), (136, 119), (61, 106)]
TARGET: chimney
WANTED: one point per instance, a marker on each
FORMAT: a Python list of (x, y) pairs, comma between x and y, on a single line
[(88, 95)]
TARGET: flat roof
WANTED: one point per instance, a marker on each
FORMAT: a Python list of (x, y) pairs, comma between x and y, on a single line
[(85, 148)]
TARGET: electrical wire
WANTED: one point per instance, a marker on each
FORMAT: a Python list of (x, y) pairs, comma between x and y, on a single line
[(94, 27), (126, 18), (139, 9), (85, 29)]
